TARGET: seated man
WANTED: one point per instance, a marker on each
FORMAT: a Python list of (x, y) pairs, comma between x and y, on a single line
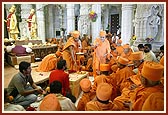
[(23, 93), (61, 76)]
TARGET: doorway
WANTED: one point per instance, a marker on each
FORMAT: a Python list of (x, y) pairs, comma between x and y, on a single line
[(114, 23)]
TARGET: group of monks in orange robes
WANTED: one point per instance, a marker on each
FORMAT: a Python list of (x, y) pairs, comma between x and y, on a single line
[(123, 81)]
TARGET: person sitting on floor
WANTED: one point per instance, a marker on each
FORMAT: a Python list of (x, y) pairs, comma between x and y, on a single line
[(87, 95), (8, 106), (50, 103), (24, 94), (65, 103), (103, 102), (60, 75)]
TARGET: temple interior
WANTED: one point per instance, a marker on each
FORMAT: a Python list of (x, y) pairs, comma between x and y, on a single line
[(95, 40)]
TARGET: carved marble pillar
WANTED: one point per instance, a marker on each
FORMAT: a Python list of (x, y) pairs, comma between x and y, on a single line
[(127, 25), (83, 23), (25, 12), (50, 22), (70, 18), (40, 22), (106, 17), (96, 26)]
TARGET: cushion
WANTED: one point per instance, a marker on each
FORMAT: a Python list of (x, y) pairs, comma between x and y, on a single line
[(19, 50)]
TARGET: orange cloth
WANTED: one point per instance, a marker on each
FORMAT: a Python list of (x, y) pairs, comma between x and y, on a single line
[(140, 68), (102, 33), (126, 52), (114, 68), (125, 96), (123, 61), (119, 50), (67, 54), (58, 53), (152, 71), (76, 34), (104, 67), (99, 53), (104, 91), (84, 44), (121, 76), (99, 79), (142, 93), (162, 61), (48, 63), (86, 97), (155, 102), (85, 84), (136, 79), (126, 46), (137, 55), (50, 103), (97, 106), (89, 63)]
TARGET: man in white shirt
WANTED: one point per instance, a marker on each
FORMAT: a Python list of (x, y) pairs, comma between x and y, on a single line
[(148, 53)]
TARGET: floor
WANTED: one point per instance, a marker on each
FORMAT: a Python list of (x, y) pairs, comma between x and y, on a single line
[(8, 72)]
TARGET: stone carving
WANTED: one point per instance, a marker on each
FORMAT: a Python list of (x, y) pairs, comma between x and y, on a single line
[(154, 21)]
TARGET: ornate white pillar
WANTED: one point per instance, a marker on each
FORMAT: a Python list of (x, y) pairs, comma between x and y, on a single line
[(106, 17), (50, 24), (96, 26), (25, 12), (127, 25), (120, 18), (70, 18), (40, 22), (83, 25)]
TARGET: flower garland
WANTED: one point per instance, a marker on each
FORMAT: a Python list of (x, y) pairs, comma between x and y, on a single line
[(93, 16)]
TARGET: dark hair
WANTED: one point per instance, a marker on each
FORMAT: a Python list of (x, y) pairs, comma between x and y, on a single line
[(23, 66), (149, 46), (5, 94), (55, 87), (140, 46), (162, 47), (61, 63)]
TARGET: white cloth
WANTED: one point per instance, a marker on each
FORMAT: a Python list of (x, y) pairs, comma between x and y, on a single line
[(66, 103), (150, 56), (12, 107)]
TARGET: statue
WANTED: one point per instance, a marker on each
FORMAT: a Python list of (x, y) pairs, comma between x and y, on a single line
[(154, 22), (32, 24), (12, 24)]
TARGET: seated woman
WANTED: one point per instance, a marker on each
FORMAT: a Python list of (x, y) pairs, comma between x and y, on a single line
[(49, 62)]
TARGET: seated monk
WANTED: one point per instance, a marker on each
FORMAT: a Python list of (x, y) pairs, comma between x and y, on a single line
[(49, 62), (154, 102), (102, 102), (88, 95)]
